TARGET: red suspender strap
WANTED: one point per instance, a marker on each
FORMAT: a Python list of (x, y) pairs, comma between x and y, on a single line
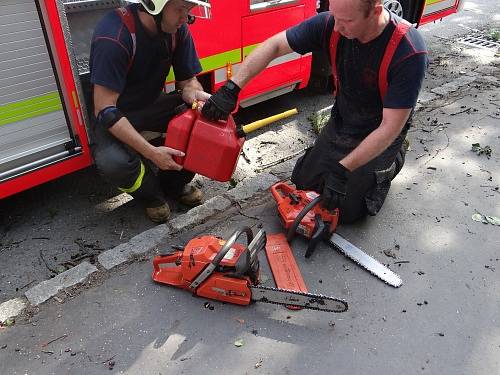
[(398, 33), (129, 22), (334, 41)]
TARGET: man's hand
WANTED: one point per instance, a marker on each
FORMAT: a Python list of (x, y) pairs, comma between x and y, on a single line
[(162, 157), (222, 103), (190, 95), (334, 186)]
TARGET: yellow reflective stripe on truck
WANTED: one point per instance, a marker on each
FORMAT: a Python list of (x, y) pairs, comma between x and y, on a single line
[(213, 62), (36, 106)]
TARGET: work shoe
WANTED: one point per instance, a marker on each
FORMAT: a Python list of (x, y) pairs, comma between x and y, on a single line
[(158, 214), (191, 196)]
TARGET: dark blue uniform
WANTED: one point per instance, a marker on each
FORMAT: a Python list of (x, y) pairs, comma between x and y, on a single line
[(357, 109), (140, 83), (139, 78)]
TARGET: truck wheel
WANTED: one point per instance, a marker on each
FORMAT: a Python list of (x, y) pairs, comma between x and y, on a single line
[(395, 7)]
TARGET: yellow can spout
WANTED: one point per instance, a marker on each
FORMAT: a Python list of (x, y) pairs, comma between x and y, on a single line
[(266, 121)]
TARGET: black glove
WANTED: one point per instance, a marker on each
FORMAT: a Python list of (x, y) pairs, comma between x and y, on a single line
[(334, 186), (222, 103)]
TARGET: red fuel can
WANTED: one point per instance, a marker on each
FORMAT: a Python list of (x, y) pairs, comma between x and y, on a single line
[(212, 148)]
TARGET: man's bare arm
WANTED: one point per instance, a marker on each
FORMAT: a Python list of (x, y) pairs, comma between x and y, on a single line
[(260, 58), (377, 141)]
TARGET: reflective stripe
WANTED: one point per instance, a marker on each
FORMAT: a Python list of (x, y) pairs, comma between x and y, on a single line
[(169, 87), (285, 58), (220, 75), (213, 62), (138, 182), (218, 62), (29, 108)]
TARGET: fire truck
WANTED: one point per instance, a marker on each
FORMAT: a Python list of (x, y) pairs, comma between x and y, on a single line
[(44, 53)]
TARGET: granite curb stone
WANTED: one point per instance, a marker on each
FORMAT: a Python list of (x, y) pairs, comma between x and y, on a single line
[(140, 244), (49, 288), (11, 308), (197, 214), (249, 186)]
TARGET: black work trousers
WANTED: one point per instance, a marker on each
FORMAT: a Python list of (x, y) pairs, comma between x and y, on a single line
[(367, 186), (128, 170)]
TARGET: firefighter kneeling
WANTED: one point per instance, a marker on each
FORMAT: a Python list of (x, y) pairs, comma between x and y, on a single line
[(131, 54)]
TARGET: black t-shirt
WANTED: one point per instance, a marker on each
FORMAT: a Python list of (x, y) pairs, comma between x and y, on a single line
[(358, 107), (140, 84)]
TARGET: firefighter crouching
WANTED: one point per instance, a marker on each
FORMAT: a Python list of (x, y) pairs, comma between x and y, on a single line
[(379, 63), (131, 54)]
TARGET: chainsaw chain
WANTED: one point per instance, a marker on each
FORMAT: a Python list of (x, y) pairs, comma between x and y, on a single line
[(309, 295)]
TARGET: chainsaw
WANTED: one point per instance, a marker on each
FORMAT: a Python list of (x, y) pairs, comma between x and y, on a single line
[(300, 212), (228, 271)]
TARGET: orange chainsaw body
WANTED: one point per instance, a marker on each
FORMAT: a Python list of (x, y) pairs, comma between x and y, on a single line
[(291, 202), (181, 268)]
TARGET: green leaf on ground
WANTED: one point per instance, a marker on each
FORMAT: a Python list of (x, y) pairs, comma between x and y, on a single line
[(8, 322), (319, 120), (239, 343), (495, 35), (476, 147)]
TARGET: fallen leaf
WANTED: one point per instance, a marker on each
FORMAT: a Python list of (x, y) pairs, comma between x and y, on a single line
[(241, 321), (8, 322), (239, 343), (480, 218), (493, 220)]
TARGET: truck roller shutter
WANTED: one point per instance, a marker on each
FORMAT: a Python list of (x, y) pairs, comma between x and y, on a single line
[(33, 123)]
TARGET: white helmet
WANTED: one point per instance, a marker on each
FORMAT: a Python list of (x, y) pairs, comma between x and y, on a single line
[(154, 7)]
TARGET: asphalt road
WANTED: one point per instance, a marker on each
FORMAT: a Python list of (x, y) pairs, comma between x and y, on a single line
[(444, 319)]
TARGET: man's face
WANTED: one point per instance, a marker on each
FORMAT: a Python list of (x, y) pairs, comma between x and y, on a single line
[(350, 20), (174, 14)]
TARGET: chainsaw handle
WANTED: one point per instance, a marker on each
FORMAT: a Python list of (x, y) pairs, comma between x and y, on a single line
[(220, 255), (280, 190), (230, 242), (300, 216), (165, 259)]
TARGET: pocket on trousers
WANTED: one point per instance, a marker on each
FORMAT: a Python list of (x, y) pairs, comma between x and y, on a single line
[(376, 196)]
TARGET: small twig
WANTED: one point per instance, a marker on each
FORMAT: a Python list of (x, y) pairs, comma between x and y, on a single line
[(247, 159), (281, 160), (440, 149), (57, 338), (457, 113), (402, 261), (45, 262), (109, 359), (40, 238), (25, 285), (245, 215)]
